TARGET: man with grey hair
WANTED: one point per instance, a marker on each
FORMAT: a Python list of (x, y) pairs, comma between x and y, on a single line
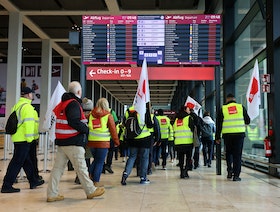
[(71, 136)]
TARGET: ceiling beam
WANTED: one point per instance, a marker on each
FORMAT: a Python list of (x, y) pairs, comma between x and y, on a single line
[(34, 28), (60, 40), (112, 6)]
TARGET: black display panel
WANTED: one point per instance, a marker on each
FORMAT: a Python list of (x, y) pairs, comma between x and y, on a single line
[(162, 39)]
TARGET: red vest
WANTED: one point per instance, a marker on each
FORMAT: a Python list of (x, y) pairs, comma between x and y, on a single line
[(62, 129)]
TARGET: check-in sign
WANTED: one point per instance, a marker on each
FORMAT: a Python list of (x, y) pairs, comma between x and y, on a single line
[(154, 73), (112, 73)]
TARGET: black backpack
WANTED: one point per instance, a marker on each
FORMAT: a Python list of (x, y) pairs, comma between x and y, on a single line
[(12, 122), (132, 128), (206, 130), (157, 134)]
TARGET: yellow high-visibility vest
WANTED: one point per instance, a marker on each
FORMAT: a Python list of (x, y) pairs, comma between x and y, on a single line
[(182, 132), (233, 118), (98, 130)]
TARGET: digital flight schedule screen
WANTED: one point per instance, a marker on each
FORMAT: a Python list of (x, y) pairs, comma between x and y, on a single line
[(161, 39)]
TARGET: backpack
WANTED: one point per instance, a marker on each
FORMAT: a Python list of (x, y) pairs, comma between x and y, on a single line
[(12, 122), (206, 130), (156, 129), (132, 127)]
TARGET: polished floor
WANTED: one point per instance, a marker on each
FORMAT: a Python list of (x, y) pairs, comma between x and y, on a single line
[(203, 191)]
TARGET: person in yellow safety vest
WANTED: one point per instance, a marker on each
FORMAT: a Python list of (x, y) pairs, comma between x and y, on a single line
[(183, 139), (101, 128), (139, 145), (231, 121), (164, 123), (71, 132), (27, 132)]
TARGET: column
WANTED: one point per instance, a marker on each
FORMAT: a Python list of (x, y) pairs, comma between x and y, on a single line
[(46, 73), (14, 60), (66, 72)]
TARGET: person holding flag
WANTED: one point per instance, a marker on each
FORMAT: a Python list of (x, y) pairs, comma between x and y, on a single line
[(140, 144), (183, 139), (194, 107), (231, 121)]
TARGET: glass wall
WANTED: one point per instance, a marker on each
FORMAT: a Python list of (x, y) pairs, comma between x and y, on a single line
[(257, 130), (250, 42), (241, 8)]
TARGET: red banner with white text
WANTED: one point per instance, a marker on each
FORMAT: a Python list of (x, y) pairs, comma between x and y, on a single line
[(155, 73)]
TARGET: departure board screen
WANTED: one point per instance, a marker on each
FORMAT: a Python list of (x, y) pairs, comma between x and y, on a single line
[(161, 39)]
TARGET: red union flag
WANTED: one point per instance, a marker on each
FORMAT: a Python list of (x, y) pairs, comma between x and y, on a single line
[(192, 104), (253, 96), (143, 92)]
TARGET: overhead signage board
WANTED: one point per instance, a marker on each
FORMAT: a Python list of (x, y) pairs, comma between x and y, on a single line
[(154, 73), (164, 40)]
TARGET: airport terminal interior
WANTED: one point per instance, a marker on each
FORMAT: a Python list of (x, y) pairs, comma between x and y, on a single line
[(202, 49)]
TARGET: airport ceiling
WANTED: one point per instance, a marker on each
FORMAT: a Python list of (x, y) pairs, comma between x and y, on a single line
[(54, 19)]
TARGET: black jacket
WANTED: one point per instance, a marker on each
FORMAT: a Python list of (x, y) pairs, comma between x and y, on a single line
[(73, 114)]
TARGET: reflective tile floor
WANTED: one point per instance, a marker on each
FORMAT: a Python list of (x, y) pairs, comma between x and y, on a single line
[(203, 191)]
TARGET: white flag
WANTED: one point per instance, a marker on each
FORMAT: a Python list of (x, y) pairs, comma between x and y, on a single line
[(253, 95), (49, 121), (143, 92), (192, 104)]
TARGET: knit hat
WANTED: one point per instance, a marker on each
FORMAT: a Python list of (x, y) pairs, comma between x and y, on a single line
[(87, 104), (25, 90)]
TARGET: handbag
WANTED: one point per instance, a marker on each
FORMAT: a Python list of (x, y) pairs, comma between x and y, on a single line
[(196, 141)]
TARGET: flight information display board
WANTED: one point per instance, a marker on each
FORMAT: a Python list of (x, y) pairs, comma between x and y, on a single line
[(161, 39)]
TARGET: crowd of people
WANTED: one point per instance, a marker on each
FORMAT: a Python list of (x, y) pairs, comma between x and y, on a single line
[(89, 136)]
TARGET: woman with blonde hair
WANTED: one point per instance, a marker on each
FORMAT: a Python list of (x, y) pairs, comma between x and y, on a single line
[(101, 129)]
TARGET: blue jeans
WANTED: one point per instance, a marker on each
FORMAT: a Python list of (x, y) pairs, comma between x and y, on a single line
[(95, 169), (207, 150), (143, 163), (156, 154), (21, 158)]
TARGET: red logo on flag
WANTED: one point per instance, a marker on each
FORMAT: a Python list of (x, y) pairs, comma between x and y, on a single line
[(254, 89), (190, 105), (143, 92)]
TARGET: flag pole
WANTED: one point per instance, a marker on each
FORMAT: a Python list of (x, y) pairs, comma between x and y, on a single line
[(218, 108)]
